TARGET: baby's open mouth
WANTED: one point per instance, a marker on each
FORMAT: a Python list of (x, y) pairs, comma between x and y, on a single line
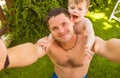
[(74, 17)]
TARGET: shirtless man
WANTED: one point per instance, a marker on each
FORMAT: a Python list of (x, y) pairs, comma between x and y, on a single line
[(67, 52)]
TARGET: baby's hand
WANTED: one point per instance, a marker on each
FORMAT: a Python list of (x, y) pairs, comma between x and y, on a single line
[(45, 43), (88, 50), (51, 38)]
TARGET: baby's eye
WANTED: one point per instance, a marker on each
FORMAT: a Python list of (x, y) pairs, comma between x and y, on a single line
[(80, 9)]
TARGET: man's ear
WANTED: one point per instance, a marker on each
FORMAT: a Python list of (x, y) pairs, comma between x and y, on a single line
[(72, 23), (71, 19)]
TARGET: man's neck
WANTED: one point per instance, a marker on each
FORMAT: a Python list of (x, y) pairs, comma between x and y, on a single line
[(70, 44)]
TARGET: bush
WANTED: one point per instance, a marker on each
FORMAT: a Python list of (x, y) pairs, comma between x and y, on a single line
[(26, 19), (99, 4), (94, 4)]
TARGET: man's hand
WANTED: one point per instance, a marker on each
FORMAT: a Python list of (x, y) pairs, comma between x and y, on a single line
[(3, 54)]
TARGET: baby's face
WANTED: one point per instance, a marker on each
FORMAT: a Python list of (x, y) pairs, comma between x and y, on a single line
[(77, 11)]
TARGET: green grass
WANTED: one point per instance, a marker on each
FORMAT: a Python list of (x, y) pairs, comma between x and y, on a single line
[(99, 67), (43, 68)]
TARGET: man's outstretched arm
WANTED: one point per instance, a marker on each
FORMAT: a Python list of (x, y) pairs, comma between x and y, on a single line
[(110, 49), (20, 55), (24, 54)]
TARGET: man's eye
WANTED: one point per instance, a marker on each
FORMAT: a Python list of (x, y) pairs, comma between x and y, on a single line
[(64, 24), (55, 28), (72, 7)]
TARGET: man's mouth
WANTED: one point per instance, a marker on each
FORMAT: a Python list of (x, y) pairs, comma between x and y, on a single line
[(63, 36)]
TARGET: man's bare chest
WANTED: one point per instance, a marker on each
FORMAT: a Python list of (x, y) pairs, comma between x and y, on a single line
[(71, 58)]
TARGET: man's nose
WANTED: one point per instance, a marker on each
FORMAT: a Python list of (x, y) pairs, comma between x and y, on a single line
[(61, 29)]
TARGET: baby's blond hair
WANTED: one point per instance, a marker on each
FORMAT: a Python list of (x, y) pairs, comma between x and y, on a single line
[(79, 1)]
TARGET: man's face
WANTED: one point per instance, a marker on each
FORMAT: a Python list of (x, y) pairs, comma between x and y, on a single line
[(77, 11), (61, 28)]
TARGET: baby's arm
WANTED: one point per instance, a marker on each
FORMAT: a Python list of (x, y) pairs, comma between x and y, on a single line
[(90, 33)]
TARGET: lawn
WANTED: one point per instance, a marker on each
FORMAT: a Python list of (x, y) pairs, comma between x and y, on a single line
[(99, 67)]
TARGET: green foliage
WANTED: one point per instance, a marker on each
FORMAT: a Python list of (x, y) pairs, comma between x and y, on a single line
[(63, 3), (94, 3), (26, 19), (100, 4)]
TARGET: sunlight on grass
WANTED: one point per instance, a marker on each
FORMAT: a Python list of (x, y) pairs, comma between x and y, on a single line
[(113, 21), (106, 25), (97, 15), (117, 26)]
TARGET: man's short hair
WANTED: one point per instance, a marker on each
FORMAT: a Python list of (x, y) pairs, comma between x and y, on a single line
[(56, 11)]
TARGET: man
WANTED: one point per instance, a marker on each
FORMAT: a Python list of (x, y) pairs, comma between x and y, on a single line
[(67, 52)]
